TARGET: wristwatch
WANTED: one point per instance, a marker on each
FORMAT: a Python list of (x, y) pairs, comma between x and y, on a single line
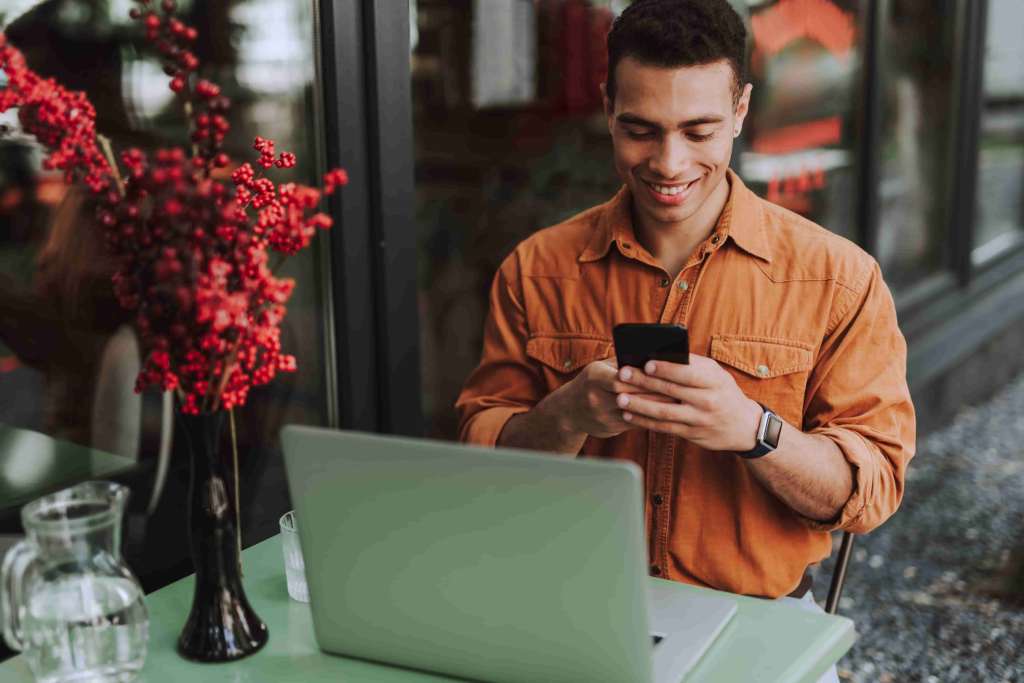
[(768, 432)]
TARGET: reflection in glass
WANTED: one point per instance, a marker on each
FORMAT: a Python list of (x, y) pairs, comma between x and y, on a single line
[(505, 145), (801, 131), (1000, 199), (916, 70), (68, 353)]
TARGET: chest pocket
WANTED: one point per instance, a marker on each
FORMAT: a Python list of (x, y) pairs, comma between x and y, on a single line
[(561, 358), (770, 371)]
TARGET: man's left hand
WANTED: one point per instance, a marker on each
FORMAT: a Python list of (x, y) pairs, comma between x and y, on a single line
[(710, 410)]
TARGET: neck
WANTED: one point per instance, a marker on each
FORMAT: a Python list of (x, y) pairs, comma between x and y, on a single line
[(672, 244)]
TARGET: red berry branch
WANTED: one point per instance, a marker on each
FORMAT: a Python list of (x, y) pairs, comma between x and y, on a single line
[(192, 250)]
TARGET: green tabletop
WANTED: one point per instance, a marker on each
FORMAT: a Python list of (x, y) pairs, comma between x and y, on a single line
[(33, 464), (766, 641)]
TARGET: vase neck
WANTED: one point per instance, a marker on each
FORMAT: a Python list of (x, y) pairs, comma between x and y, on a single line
[(201, 433)]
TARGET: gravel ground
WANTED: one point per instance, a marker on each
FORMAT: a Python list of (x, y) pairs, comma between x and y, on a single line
[(937, 593)]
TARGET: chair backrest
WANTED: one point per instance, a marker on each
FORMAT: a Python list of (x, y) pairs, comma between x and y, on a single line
[(835, 590)]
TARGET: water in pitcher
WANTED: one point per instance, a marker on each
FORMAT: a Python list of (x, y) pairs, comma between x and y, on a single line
[(86, 629)]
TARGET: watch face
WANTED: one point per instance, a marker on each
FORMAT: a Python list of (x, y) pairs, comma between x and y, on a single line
[(773, 430)]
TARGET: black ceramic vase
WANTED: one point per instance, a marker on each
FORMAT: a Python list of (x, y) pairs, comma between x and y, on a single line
[(222, 626)]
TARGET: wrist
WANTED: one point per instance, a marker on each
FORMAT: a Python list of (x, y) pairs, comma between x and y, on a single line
[(768, 435), (749, 426), (558, 415)]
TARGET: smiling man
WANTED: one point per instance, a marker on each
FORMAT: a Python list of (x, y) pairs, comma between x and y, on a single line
[(793, 417)]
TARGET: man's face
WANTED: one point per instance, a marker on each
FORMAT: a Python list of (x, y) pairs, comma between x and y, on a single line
[(672, 132)]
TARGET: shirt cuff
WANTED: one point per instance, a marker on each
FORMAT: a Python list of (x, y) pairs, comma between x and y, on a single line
[(863, 460), (485, 427)]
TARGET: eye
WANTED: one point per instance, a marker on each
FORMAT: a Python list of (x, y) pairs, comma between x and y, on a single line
[(640, 134), (696, 137)]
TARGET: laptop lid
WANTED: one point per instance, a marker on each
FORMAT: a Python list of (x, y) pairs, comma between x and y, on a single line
[(487, 564)]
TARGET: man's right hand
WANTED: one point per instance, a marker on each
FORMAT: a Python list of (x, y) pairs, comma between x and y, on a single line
[(584, 406)]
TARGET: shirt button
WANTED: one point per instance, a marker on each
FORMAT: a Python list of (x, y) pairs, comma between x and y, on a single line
[(656, 570), (657, 499), (664, 282), (762, 370), (684, 285), (567, 364)]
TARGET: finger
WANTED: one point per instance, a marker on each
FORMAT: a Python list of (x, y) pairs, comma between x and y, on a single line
[(652, 384), (696, 374), (657, 410), (660, 398), (623, 388), (673, 428), (612, 384)]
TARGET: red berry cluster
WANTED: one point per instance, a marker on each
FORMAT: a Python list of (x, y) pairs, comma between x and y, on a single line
[(173, 41), (192, 250), (63, 121)]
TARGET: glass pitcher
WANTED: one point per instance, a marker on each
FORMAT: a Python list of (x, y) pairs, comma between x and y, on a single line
[(70, 603)]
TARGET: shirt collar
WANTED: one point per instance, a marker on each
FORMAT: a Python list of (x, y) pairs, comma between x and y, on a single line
[(741, 220), (614, 224)]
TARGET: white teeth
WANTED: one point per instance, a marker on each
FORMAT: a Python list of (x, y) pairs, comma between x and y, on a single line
[(669, 190)]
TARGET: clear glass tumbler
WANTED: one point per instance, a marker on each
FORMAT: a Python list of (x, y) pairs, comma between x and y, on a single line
[(294, 565)]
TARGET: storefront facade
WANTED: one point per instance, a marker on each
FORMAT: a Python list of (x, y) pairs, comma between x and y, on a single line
[(466, 125)]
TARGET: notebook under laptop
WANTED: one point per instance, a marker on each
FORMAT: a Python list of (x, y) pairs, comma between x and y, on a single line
[(486, 564)]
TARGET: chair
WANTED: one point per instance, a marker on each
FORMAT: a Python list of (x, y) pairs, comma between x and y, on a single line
[(835, 590)]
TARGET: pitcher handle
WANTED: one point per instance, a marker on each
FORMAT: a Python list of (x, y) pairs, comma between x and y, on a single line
[(12, 576)]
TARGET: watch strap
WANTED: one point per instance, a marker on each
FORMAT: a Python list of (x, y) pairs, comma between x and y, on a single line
[(769, 430)]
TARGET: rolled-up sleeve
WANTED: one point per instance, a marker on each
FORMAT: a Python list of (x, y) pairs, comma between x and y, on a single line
[(505, 383), (858, 397)]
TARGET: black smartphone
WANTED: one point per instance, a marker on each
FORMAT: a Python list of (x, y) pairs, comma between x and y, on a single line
[(637, 343)]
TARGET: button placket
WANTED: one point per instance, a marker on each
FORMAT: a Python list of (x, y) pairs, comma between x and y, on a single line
[(663, 512), (651, 471), (682, 293)]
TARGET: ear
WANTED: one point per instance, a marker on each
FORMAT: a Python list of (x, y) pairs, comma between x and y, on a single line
[(609, 107), (742, 108)]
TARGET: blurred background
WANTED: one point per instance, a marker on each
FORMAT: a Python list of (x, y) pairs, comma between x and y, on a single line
[(466, 125)]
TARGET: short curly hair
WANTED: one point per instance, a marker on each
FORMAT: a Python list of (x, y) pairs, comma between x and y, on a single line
[(674, 33)]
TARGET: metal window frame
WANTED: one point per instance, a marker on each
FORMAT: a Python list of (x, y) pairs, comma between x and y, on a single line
[(967, 79), (373, 326), (869, 125)]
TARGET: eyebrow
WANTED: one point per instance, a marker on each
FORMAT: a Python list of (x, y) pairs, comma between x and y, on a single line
[(634, 120)]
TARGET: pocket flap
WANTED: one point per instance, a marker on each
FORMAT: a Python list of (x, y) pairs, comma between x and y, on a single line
[(763, 358), (567, 354)]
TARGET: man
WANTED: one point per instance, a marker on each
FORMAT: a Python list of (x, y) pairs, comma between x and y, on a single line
[(783, 316)]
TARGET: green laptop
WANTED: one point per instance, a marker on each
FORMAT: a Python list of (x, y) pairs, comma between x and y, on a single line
[(487, 564)]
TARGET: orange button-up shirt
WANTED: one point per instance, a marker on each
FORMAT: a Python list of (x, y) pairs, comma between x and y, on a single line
[(799, 316)]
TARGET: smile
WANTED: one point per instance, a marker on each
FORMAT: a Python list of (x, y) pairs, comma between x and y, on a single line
[(671, 194)]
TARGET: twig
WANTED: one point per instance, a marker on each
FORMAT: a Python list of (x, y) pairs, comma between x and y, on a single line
[(280, 259), (188, 117), (108, 152), (238, 505), (229, 366)]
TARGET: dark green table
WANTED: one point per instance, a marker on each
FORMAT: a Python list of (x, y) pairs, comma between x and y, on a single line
[(766, 641), (33, 464)]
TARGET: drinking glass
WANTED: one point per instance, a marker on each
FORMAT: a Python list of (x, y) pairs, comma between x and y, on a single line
[(294, 566)]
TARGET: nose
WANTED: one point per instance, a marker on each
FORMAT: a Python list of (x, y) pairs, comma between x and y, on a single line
[(673, 157)]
